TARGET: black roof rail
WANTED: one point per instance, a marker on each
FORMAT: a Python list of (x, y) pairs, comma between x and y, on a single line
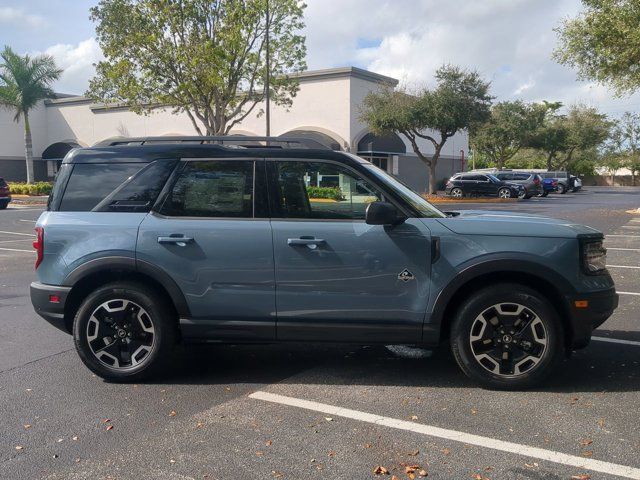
[(240, 141)]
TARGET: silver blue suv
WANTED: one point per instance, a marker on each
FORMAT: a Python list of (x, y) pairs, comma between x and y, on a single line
[(150, 242)]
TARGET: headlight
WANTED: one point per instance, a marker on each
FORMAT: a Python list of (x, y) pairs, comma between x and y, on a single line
[(594, 257)]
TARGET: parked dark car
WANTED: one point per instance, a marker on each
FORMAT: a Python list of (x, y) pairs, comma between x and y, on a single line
[(532, 182), (150, 242), (482, 185), (5, 195), (548, 185), (566, 181)]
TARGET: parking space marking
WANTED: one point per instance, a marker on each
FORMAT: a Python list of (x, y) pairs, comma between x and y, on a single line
[(17, 233), (624, 249), (30, 221), (16, 250), (616, 340), (628, 293), (17, 240), (454, 435), (621, 266), (627, 236)]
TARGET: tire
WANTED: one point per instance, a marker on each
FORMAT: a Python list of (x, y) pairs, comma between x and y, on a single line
[(544, 194), (523, 194), (504, 193), (456, 192), (562, 188), (534, 352), (114, 309)]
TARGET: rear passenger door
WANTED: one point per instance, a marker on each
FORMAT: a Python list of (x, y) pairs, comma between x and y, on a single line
[(210, 234)]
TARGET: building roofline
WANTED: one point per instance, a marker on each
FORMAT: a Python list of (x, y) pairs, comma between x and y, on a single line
[(306, 76)]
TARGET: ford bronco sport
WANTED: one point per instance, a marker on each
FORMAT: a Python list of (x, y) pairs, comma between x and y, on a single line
[(149, 242)]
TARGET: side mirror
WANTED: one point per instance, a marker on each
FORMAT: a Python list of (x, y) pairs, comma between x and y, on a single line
[(383, 213)]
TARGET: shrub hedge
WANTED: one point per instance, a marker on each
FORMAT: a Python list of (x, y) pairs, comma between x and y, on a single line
[(37, 188), (333, 193)]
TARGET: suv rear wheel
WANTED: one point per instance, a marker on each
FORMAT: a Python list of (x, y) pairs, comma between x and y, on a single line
[(124, 331), (504, 193), (507, 337)]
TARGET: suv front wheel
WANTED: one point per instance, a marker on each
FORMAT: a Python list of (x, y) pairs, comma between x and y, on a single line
[(124, 332), (507, 337)]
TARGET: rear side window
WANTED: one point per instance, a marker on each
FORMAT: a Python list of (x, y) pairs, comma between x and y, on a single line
[(139, 192), (90, 183), (212, 189), (521, 176)]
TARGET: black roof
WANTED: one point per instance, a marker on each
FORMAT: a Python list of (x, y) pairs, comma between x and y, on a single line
[(154, 148)]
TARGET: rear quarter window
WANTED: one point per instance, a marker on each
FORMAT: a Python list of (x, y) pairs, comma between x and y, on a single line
[(89, 183)]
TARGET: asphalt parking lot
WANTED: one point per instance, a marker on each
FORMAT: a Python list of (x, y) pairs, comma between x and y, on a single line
[(300, 411)]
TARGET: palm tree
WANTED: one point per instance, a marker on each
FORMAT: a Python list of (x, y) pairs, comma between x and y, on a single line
[(24, 81)]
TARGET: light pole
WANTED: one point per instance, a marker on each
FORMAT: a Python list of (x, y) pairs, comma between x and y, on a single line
[(267, 79)]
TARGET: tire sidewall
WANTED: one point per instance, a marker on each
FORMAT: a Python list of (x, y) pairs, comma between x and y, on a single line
[(504, 294), (457, 190), (157, 310)]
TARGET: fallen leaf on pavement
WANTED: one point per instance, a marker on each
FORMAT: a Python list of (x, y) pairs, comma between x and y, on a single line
[(109, 427), (581, 476), (414, 417), (328, 419), (586, 442), (19, 447), (422, 473), (259, 454), (414, 453), (27, 426), (106, 420), (332, 453), (601, 423), (380, 470), (587, 454), (172, 413), (474, 411), (199, 425), (268, 443), (74, 438), (367, 445), (277, 474), (446, 451)]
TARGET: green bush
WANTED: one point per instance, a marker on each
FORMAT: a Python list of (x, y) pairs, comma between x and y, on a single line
[(37, 188), (333, 193)]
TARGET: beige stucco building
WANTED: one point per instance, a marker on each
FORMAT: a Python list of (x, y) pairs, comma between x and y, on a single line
[(327, 107)]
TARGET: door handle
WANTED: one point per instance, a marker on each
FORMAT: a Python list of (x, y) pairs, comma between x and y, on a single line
[(310, 242), (180, 241)]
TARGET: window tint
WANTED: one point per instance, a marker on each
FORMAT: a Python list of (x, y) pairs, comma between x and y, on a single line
[(321, 190), (521, 176), (91, 182), (212, 189), (139, 192)]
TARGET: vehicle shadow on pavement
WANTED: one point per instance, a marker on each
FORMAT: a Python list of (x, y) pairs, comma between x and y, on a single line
[(600, 367)]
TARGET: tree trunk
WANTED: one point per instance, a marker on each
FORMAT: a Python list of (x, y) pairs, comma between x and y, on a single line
[(549, 160), (28, 148), (433, 186)]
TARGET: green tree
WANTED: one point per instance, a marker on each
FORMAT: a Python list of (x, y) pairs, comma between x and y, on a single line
[(561, 137), (603, 43), (508, 129), (459, 101), (625, 142), (206, 58), (25, 81)]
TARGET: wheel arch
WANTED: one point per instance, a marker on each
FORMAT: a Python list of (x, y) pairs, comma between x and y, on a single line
[(101, 271), (540, 278)]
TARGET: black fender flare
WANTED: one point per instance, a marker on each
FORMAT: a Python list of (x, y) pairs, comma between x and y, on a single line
[(128, 264), (513, 264)]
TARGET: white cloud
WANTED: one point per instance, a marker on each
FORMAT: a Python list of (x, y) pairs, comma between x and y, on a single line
[(77, 62), (509, 42), (16, 16)]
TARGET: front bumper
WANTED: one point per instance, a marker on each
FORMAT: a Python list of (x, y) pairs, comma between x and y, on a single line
[(52, 311), (585, 320)]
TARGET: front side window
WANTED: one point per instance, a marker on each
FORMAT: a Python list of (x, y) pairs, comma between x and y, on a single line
[(322, 191), (222, 188)]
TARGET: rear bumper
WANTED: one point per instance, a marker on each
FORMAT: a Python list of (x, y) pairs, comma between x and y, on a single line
[(52, 312), (584, 320)]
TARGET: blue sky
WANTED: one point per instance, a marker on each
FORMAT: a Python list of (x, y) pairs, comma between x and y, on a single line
[(508, 41)]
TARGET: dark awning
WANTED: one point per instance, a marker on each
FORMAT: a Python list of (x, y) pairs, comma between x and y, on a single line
[(388, 144)]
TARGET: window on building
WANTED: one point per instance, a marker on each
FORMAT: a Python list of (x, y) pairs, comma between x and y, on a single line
[(212, 189), (304, 192)]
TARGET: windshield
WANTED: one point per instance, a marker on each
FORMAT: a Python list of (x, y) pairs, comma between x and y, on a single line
[(494, 178), (425, 209)]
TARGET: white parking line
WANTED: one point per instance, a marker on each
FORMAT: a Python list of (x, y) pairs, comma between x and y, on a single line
[(624, 249), (16, 250), (621, 266), (30, 221), (17, 240), (16, 233), (628, 293), (616, 340), (632, 227), (627, 236), (453, 435)]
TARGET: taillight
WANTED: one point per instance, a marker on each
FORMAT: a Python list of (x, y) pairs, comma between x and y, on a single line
[(536, 181), (38, 244)]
